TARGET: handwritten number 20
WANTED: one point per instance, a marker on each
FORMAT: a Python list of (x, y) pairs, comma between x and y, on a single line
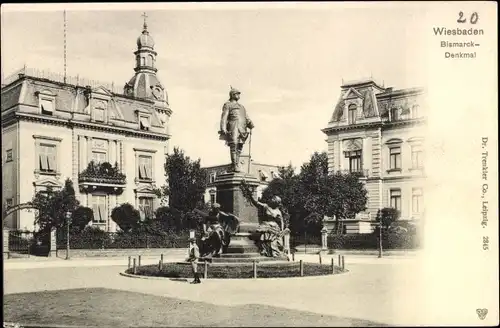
[(473, 18)]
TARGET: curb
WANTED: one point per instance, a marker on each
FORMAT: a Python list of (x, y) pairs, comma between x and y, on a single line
[(136, 276)]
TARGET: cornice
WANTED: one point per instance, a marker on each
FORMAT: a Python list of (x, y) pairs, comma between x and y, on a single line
[(383, 125), (90, 126)]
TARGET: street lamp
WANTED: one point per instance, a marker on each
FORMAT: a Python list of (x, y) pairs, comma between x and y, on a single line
[(68, 220)]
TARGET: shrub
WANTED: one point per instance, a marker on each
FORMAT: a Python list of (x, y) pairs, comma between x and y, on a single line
[(126, 216)]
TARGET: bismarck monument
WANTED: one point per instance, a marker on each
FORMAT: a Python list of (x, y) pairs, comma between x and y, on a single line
[(235, 129)]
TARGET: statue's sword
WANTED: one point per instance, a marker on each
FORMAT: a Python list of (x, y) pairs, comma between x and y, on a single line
[(249, 150)]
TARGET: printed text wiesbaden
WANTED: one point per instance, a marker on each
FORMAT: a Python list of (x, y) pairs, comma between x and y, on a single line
[(457, 31)]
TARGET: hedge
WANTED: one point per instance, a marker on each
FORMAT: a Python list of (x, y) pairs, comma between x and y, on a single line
[(94, 238), (370, 241)]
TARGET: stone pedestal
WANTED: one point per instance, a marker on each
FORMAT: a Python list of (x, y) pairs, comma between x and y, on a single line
[(6, 234), (53, 243), (231, 198)]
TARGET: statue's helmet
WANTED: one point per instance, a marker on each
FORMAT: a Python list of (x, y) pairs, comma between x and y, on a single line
[(233, 91), (276, 199), (216, 205)]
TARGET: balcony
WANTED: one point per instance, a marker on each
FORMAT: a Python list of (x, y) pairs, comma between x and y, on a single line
[(102, 176), (361, 173)]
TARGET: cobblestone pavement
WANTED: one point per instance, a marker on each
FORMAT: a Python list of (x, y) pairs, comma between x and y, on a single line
[(381, 290)]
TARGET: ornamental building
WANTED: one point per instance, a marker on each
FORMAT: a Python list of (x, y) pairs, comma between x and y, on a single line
[(379, 133), (111, 143)]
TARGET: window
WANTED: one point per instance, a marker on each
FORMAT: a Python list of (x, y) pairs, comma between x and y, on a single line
[(212, 178), (355, 163), (417, 199), (143, 61), (145, 167), (99, 208), (415, 111), (144, 123), (352, 113), (99, 157), (8, 155), (417, 157), (146, 205), (212, 199), (99, 114), (47, 158), (47, 106), (395, 158), (395, 195), (394, 114)]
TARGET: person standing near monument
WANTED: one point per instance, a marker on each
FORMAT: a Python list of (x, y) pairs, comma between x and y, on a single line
[(194, 255), (234, 125)]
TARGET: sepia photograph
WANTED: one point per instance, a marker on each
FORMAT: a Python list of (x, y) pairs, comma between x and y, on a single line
[(271, 164)]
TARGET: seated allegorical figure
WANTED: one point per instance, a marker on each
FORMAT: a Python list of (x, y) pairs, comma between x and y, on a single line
[(270, 228), (217, 230)]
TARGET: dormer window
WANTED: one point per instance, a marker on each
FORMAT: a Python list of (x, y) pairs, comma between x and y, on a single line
[(46, 101), (144, 123), (352, 114), (415, 111), (46, 106), (99, 114), (394, 114), (212, 177)]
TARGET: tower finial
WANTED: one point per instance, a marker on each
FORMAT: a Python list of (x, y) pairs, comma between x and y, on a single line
[(145, 23)]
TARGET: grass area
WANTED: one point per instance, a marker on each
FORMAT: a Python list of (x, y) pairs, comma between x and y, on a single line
[(101, 307), (264, 270)]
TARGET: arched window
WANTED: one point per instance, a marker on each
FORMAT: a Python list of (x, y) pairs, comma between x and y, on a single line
[(352, 114), (151, 61), (143, 61)]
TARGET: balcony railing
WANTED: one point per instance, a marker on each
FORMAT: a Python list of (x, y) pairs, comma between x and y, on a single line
[(58, 77), (102, 175)]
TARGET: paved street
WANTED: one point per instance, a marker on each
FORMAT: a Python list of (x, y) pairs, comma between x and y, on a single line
[(380, 290)]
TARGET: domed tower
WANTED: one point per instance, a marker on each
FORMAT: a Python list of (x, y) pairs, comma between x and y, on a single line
[(145, 83)]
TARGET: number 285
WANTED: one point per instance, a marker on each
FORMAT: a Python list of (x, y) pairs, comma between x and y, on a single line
[(486, 242), (473, 18)]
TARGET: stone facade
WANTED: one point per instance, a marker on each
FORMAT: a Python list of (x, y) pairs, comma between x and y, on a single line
[(379, 132), (52, 130)]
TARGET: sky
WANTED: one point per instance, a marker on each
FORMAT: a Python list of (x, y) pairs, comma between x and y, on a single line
[(289, 62)]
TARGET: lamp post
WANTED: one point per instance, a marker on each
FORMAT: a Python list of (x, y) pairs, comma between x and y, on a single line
[(380, 237), (68, 219)]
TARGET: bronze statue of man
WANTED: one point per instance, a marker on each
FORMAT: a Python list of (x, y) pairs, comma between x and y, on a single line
[(234, 125)]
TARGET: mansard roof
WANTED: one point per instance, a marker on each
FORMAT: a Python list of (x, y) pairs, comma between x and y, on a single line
[(73, 99), (374, 98)]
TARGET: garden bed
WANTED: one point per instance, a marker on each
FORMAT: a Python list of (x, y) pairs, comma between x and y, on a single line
[(282, 270)]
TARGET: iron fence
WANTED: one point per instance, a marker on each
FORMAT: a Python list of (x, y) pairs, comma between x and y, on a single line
[(307, 242), (29, 242)]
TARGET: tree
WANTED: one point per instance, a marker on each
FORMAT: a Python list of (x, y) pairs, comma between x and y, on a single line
[(126, 217), (81, 218), (343, 196), (186, 181), (53, 205), (388, 216), (313, 194)]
